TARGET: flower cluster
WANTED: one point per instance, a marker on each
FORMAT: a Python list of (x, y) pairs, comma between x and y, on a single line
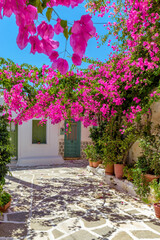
[(41, 36), (122, 88)]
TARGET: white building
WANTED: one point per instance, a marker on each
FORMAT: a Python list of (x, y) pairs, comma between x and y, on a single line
[(36, 145)]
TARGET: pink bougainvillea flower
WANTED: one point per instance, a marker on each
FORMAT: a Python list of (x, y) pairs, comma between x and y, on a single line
[(54, 64), (76, 59), (36, 44), (82, 31), (1, 7), (62, 66), (85, 18), (78, 44), (22, 38), (57, 27), (7, 8), (54, 55), (75, 3), (45, 30), (49, 45), (31, 13)]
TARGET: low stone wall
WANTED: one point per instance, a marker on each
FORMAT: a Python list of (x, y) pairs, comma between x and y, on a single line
[(119, 184)]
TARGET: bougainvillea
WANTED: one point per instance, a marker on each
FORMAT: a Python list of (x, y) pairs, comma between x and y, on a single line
[(40, 36), (123, 87)]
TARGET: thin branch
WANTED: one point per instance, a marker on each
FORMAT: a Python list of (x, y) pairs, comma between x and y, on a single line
[(68, 53), (56, 13), (99, 23), (65, 48)]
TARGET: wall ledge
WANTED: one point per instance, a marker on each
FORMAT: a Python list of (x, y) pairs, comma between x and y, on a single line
[(121, 185)]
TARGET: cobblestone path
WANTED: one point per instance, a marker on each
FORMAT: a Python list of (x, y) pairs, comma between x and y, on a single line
[(68, 203)]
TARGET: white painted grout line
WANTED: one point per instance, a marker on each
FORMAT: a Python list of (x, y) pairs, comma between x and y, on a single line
[(13, 222), (30, 212)]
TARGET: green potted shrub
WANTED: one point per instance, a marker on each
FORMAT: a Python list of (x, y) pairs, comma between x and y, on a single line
[(89, 154), (149, 161), (5, 158), (154, 196), (115, 145), (5, 200), (149, 192), (92, 156), (141, 185), (128, 171)]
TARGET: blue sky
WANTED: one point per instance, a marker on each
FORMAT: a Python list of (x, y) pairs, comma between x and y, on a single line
[(9, 32)]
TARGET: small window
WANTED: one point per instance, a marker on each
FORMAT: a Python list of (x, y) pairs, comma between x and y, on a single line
[(38, 132)]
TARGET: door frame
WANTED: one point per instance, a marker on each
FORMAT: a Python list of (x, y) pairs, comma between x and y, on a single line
[(78, 139)]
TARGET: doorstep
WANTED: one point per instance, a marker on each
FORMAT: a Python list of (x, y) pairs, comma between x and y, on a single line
[(122, 185)]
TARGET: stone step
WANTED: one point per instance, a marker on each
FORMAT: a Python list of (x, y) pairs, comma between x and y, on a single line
[(13, 163)]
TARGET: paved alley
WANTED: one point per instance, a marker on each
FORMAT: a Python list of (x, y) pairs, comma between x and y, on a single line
[(67, 202)]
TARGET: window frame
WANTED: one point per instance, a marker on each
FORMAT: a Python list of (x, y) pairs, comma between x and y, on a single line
[(39, 137)]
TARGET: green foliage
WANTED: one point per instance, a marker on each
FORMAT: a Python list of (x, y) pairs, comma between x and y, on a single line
[(5, 149), (142, 186), (128, 172), (91, 153), (154, 196), (4, 198), (65, 33), (115, 146), (97, 4), (96, 133), (149, 161), (63, 23), (49, 13)]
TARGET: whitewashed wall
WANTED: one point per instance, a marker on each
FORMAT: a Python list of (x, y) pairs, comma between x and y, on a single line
[(38, 154)]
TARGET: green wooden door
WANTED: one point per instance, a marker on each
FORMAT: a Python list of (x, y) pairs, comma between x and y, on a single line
[(14, 139), (72, 141)]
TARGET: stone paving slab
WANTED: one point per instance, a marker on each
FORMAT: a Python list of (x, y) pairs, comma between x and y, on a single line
[(67, 202)]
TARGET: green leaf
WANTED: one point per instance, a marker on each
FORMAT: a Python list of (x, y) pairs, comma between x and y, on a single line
[(44, 4), (65, 32), (49, 13), (70, 31), (63, 23)]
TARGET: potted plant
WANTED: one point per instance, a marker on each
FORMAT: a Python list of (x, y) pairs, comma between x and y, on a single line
[(89, 154), (116, 145), (149, 161), (92, 156), (128, 172), (109, 168), (38, 141), (154, 196), (5, 200)]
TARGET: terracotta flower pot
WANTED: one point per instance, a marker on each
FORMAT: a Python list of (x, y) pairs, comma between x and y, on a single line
[(95, 164), (90, 163), (5, 207), (150, 177), (109, 170), (118, 170), (157, 209)]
